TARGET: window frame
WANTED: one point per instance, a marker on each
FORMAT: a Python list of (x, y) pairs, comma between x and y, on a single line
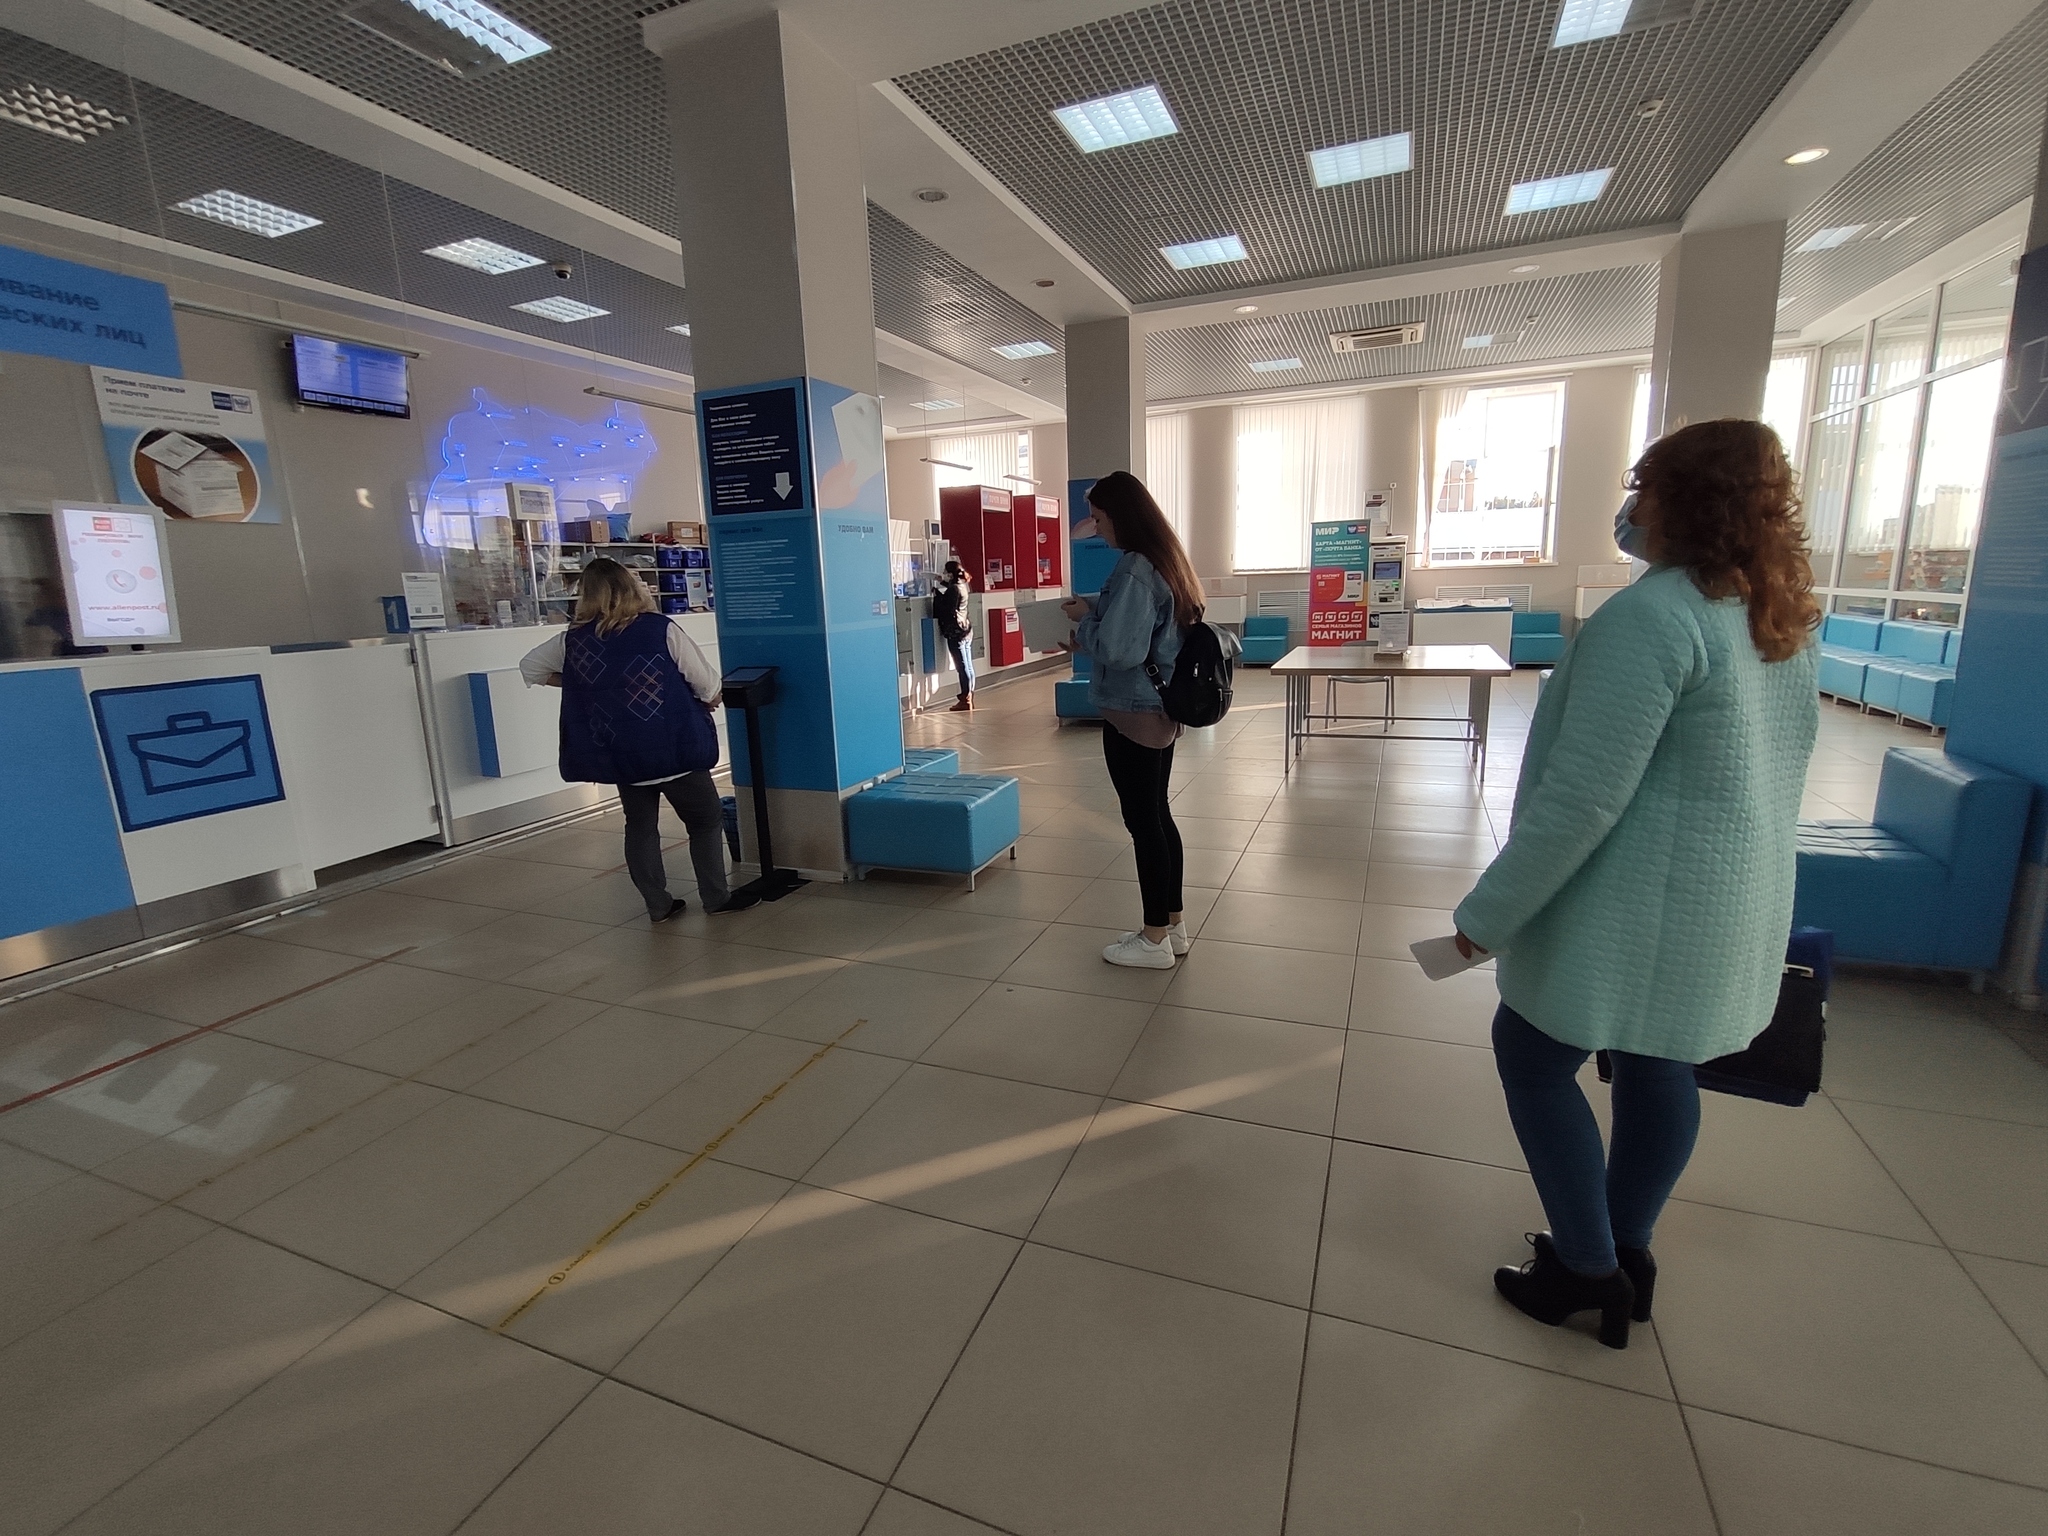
[(1432, 486)]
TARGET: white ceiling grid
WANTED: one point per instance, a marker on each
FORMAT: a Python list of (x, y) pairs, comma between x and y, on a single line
[(1257, 84), (1585, 314), (1965, 157)]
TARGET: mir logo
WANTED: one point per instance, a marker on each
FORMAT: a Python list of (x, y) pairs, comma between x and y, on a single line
[(223, 401)]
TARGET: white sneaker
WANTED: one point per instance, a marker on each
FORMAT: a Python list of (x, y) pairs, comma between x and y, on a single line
[(1176, 937), (1135, 949)]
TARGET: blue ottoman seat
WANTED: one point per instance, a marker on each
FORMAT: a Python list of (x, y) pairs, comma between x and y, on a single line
[(1538, 640), (1070, 700), (1842, 673), (1265, 639), (1925, 694), (952, 823), (930, 760), (1881, 681), (1927, 880)]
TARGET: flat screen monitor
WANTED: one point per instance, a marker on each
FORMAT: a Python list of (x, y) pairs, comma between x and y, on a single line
[(117, 574), (348, 376)]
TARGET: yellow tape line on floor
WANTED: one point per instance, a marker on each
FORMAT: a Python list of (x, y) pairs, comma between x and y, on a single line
[(642, 1206)]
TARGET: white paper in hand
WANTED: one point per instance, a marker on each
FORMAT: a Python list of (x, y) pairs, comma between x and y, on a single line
[(1440, 958)]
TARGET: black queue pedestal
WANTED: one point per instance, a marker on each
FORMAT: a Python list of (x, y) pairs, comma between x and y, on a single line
[(752, 689)]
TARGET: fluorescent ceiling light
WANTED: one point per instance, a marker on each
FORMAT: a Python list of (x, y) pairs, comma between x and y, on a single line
[(1557, 191), (484, 27), (1204, 253), (57, 113), (1807, 156), (1828, 239), (1472, 343), (1277, 365), (1362, 161), (249, 214), (1017, 351), (1527, 266), (1128, 117), (561, 310), (1582, 21), (1247, 309), (681, 330), (935, 405), (481, 255)]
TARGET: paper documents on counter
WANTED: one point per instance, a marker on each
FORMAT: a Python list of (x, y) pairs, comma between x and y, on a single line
[(1440, 958), (1046, 628)]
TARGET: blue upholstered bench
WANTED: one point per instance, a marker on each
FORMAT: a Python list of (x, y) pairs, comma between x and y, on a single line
[(1265, 639), (1902, 667), (1538, 640), (930, 760), (1927, 880), (950, 823)]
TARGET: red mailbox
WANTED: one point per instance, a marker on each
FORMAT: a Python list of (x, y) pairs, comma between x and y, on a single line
[(1005, 636)]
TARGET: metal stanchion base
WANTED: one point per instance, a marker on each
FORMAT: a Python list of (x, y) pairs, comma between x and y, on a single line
[(773, 886)]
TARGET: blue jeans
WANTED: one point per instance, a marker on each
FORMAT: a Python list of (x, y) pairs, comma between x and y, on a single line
[(963, 662), (1594, 1198)]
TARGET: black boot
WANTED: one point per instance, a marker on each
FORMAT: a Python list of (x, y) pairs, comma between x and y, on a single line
[(1547, 1291), (1641, 1269), (1637, 1263)]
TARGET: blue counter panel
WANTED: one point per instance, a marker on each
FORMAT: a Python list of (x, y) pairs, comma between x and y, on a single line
[(60, 850)]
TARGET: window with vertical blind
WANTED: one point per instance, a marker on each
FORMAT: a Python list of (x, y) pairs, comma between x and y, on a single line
[(1298, 462), (1494, 475), (1166, 467), (1001, 459)]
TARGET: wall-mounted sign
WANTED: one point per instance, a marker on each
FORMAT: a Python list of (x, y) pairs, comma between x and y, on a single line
[(117, 574), (84, 314), (191, 450), (179, 750), (755, 452)]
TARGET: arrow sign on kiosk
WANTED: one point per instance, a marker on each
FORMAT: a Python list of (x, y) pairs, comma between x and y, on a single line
[(782, 485)]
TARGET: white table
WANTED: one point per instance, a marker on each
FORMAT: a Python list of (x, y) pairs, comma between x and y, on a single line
[(1479, 665)]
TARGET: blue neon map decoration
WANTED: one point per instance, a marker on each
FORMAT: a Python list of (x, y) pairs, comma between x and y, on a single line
[(492, 442), (179, 750)]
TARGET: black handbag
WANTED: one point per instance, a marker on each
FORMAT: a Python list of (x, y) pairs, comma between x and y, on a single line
[(1781, 1065)]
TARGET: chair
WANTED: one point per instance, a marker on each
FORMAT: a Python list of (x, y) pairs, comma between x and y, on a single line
[(953, 823), (1538, 640), (1265, 639), (1927, 880)]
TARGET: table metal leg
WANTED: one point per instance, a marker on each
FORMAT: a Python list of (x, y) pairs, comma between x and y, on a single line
[(1479, 703)]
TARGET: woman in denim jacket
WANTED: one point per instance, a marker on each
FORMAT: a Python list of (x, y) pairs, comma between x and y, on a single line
[(1140, 615)]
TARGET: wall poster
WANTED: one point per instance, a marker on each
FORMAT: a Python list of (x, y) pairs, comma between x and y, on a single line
[(192, 450)]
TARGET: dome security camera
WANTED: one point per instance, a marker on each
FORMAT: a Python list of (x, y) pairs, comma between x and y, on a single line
[(564, 271)]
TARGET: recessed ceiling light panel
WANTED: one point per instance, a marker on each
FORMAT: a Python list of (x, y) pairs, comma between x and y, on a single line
[(1828, 239), (1276, 365), (57, 113), (1017, 351), (562, 311), (1109, 122), (1807, 156), (1525, 267), (481, 255), (935, 405), (1474, 343), (463, 37), (1557, 191), (1204, 253), (680, 330), (251, 215), (1343, 163), (1587, 21)]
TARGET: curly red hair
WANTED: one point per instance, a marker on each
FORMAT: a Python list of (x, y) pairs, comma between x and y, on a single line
[(1727, 509)]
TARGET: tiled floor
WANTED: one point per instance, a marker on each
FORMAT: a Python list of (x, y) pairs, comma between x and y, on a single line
[(940, 1226)]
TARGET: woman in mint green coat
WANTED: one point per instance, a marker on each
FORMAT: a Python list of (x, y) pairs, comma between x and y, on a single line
[(1642, 903)]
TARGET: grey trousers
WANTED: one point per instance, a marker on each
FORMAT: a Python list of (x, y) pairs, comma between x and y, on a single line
[(695, 798)]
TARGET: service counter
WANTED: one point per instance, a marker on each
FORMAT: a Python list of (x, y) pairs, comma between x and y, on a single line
[(143, 792)]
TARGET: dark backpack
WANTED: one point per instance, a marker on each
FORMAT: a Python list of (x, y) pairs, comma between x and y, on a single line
[(1200, 691)]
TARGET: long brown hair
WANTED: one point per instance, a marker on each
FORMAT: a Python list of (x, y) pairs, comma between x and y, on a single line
[(1143, 529), (610, 595), (1725, 507)]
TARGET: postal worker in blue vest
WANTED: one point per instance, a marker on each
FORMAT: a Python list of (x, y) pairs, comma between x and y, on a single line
[(637, 697)]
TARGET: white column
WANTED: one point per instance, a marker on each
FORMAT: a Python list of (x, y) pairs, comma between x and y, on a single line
[(1717, 311), (1212, 490), (1105, 399)]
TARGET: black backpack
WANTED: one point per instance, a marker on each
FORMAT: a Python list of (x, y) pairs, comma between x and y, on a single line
[(1200, 691)]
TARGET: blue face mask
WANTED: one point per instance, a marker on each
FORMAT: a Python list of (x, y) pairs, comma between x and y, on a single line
[(1633, 538)]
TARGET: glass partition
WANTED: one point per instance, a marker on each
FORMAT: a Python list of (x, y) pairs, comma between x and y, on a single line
[(1898, 349), (1976, 310)]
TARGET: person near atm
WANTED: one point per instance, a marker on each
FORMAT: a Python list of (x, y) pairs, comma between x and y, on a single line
[(637, 696), (949, 616)]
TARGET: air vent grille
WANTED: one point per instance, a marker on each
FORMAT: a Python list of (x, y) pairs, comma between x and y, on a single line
[(1408, 335)]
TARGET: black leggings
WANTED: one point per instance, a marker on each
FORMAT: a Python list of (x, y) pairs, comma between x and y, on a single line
[(1141, 776)]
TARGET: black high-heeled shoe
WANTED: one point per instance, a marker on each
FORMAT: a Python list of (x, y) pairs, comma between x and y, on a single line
[(1547, 1291), (1637, 1263)]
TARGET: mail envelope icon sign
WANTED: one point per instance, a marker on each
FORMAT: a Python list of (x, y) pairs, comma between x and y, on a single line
[(179, 750)]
